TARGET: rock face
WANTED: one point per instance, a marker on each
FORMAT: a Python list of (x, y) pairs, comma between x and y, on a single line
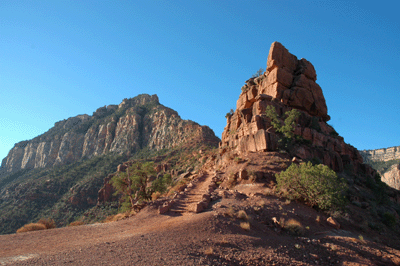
[(392, 176), (288, 83), (137, 123), (387, 154), (386, 162)]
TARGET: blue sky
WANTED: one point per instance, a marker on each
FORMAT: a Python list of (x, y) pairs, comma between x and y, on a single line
[(59, 59)]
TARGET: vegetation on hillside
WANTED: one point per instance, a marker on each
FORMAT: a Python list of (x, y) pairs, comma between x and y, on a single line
[(27, 196), (285, 127), (316, 185), (382, 166)]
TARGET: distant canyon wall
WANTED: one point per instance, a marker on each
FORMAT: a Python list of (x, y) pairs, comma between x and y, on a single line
[(390, 175), (385, 154)]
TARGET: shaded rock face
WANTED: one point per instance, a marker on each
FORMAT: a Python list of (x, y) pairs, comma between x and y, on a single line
[(392, 176), (288, 83), (137, 123)]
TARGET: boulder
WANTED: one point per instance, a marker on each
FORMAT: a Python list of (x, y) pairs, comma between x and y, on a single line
[(332, 222)]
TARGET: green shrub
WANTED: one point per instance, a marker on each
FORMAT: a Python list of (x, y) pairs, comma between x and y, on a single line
[(285, 128), (133, 184), (389, 219), (317, 185)]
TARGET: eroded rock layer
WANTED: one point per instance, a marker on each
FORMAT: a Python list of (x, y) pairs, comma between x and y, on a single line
[(135, 124), (288, 83)]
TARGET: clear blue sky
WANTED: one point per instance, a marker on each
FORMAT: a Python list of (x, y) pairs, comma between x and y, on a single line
[(59, 59)]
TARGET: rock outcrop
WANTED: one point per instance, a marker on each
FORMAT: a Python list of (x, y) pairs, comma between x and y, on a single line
[(288, 83), (386, 154), (135, 124), (392, 176), (386, 162)]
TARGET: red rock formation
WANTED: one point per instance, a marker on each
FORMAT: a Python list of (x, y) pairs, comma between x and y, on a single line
[(288, 83), (135, 124)]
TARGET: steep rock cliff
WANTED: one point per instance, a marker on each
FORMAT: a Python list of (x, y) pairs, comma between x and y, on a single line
[(288, 83), (59, 173), (386, 162), (135, 124), (392, 176), (385, 154)]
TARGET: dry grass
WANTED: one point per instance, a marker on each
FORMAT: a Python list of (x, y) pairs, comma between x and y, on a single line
[(209, 251), (269, 191), (155, 195), (232, 181), (76, 223), (117, 217), (245, 226), (31, 227), (42, 224), (49, 223), (294, 227), (180, 186), (230, 212), (242, 215)]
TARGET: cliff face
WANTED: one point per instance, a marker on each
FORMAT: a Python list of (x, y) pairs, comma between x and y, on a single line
[(386, 162), (392, 176), (137, 123), (386, 154), (288, 83), (59, 173)]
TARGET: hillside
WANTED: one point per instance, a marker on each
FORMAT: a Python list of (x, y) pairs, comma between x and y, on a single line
[(230, 205), (59, 173)]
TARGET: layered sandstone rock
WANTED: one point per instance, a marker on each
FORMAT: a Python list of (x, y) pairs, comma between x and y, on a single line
[(288, 83), (386, 154), (137, 123), (392, 176)]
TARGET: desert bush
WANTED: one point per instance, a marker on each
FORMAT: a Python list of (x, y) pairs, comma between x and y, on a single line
[(49, 223), (317, 185), (42, 224), (294, 227), (389, 219), (245, 226), (242, 215), (285, 128), (133, 184), (76, 223), (258, 73), (31, 227), (230, 113), (117, 217), (288, 125)]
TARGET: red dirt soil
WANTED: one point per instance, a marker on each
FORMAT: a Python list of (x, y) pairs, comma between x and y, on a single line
[(213, 237)]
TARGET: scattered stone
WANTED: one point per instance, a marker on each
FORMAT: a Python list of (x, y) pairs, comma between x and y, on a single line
[(332, 222)]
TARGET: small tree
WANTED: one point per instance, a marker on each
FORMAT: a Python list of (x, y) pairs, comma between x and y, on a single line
[(231, 112), (258, 73), (133, 183), (317, 185), (286, 127)]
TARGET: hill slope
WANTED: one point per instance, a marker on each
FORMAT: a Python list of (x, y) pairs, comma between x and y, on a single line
[(59, 173)]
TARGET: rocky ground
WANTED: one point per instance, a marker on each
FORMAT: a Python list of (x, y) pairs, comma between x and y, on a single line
[(245, 226)]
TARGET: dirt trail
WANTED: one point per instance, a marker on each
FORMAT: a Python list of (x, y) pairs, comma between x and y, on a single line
[(193, 195)]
